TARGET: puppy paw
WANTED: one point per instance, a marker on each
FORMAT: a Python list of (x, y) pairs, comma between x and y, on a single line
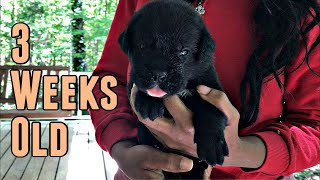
[(148, 107), (213, 150), (209, 136)]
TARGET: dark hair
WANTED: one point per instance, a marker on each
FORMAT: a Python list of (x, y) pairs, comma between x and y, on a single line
[(278, 25)]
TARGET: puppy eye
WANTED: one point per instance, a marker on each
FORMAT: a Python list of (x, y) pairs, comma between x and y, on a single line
[(183, 52)]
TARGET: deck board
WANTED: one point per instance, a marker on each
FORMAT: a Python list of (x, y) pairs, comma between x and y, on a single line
[(111, 166), (5, 143), (18, 167), (6, 162), (34, 167), (4, 131), (84, 160), (96, 162), (50, 164), (64, 161), (80, 166)]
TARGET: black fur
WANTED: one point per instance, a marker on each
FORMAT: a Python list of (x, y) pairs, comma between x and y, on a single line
[(153, 41)]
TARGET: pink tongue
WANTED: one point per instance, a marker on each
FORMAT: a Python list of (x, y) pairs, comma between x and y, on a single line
[(156, 92)]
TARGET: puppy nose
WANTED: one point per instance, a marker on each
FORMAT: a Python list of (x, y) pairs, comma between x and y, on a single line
[(159, 77)]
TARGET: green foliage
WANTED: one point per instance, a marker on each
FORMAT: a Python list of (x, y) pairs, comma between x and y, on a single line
[(78, 46), (51, 35), (98, 16), (308, 174)]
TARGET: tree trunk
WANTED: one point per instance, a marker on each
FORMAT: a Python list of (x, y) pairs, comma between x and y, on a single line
[(78, 46)]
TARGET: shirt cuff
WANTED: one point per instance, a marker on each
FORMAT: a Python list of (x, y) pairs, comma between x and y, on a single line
[(117, 130), (277, 154)]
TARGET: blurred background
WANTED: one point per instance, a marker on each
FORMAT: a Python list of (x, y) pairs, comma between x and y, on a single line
[(63, 32), (66, 38)]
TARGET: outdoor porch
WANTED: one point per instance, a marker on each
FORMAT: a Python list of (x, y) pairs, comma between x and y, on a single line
[(84, 160)]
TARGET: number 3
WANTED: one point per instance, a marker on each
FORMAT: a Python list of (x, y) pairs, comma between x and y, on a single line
[(21, 32)]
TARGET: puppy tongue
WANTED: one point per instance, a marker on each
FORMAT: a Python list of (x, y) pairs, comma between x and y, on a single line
[(156, 92)]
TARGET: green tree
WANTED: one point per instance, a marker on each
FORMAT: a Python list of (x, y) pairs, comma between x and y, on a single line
[(52, 33), (78, 46)]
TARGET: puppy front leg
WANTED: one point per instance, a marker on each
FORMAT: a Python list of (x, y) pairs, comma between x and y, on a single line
[(209, 124), (148, 106)]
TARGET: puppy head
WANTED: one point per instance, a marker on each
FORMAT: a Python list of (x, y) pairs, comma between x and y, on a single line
[(168, 45)]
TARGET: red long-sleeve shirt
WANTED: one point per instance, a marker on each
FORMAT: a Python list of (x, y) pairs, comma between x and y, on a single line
[(292, 144)]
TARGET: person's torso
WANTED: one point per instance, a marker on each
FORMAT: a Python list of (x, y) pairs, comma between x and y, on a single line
[(230, 23)]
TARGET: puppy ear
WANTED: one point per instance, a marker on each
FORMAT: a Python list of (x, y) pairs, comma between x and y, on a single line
[(206, 45), (123, 41)]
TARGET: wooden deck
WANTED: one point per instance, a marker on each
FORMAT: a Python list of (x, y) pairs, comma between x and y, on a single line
[(84, 160)]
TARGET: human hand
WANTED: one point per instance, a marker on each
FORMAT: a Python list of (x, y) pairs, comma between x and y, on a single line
[(246, 151), (146, 162), (177, 134), (220, 100)]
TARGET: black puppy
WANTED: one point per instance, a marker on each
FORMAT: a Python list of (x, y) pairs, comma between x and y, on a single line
[(171, 52)]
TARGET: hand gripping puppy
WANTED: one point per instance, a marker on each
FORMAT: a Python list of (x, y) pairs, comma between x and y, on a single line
[(170, 53)]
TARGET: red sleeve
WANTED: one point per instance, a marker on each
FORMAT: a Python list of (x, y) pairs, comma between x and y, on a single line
[(113, 126), (294, 144)]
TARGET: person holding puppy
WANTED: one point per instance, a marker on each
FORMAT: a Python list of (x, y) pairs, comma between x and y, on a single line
[(268, 59)]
